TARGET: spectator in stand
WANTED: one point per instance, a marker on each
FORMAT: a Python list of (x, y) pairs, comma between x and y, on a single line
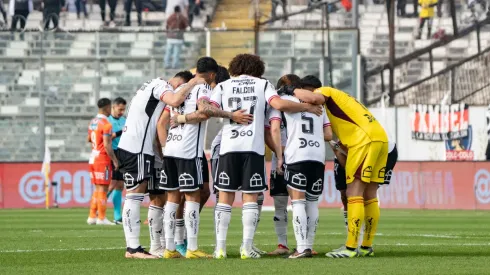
[(283, 3), (176, 25), (112, 11), (80, 5), (19, 10), (139, 8), (194, 9), (3, 12), (51, 12), (426, 15), (400, 8), (170, 7)]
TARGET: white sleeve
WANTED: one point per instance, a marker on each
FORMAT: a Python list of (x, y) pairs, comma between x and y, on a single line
[(161, 89), (204, 92), (326, 121), (217, 95), (273, 114), (270, 92)]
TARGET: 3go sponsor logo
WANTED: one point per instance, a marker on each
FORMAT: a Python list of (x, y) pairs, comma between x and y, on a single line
[(72, 188), (482, 186)]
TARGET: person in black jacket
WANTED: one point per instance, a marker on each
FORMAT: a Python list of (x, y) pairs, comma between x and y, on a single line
[(51, 12), (3, 12)]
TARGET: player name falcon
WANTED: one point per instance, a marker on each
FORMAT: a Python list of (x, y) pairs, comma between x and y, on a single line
[(244, 90)]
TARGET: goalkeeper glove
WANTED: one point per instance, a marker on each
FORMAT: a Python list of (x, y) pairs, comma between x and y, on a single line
[(286, 90)]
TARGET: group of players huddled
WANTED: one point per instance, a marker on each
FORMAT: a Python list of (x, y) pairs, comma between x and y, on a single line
[(159, 149)]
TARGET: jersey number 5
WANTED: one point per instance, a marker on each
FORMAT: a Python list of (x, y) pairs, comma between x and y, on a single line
[(238, 101), (307, 125)]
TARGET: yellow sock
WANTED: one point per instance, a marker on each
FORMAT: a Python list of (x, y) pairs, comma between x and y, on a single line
[(355, 216), (101, 205), (371, 209), (93, 205)]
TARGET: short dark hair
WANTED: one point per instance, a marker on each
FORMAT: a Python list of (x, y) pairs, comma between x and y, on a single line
[(206, 65), (311, 81), (185, 75), (119, 100), (103, 102), (221, 75), (247, 64), (177, 9), (289, 79)]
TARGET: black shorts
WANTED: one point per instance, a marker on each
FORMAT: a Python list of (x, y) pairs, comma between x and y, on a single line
[(241, 172), (135, 168), (214, 168), (116, 174), (305, 177), (154, 187), (181, 174), (204, 169), (277, 185), (339, 170)]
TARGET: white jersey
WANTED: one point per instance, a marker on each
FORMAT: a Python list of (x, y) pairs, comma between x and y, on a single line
[(215, 145), (305, 135), (244, 93), (187, 140), (145, 108)]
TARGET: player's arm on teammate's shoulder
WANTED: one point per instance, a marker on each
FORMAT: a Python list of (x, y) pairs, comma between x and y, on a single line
[(294, 107), (162, 127), (276, 139), (107, 139), (175, 99), (309, 97)]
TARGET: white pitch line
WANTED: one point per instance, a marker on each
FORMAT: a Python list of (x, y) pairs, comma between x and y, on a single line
[(212, 245)]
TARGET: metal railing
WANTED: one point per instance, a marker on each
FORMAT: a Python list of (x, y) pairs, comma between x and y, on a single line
[(374, 93)]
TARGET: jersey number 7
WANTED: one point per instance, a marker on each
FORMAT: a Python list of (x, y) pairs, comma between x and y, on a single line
[(238, 101)]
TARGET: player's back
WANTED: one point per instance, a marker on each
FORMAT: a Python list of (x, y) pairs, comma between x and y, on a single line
[(186, 141), (144, 110), (305, 140), (98, 127), (353, 123), (244, 93)]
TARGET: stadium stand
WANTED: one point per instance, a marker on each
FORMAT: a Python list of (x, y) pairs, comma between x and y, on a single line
[(116, 63)]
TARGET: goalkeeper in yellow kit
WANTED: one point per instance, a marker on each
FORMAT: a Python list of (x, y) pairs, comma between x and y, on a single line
[(367, 145)]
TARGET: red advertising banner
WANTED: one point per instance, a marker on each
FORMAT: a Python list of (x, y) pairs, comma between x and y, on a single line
[(414, 185)]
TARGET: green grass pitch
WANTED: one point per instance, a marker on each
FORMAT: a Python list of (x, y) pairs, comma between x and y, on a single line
[(58, 241)]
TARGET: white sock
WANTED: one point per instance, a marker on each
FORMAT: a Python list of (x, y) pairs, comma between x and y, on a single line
[(345, 222), (155, 224), (131, 219), (300, 224), (162, 236), (250, 215), (312, 214), (281, 219), (169, 221), (191, 215), (222, 217), (179, 231), (260, 202)]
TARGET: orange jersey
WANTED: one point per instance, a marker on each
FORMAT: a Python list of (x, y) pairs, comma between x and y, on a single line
[(351, 122), (97, 129)]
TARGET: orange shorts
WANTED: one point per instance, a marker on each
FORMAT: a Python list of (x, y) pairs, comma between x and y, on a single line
[(100, 173)]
